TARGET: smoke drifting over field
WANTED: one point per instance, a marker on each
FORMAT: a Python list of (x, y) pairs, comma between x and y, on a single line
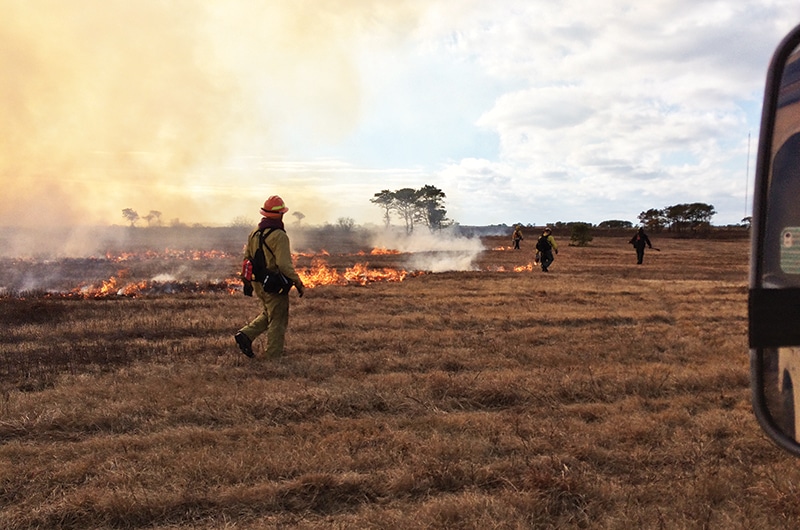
[(435, 252), (42, 243), (163, 105), (442, 250), (114, 261)]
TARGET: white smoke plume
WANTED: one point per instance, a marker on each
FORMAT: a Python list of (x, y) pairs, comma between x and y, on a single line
[(439, 251)]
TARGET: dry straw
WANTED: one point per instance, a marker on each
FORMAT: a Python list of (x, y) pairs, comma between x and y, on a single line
[(600, 395)]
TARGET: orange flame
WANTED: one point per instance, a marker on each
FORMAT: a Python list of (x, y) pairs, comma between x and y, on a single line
[(501, 268), (321, 274), (190, 255), (117, 286), (383, 251)]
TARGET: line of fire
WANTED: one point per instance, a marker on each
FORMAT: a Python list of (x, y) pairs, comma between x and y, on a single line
[(142, 274)]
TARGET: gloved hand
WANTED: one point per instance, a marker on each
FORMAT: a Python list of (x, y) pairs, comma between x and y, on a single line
[(248, 288), (301, 289)]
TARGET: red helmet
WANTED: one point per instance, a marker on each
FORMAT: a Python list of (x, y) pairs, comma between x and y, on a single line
[(274, 206)]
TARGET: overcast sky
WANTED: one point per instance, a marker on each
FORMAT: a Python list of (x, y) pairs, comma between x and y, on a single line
[(530, 111)]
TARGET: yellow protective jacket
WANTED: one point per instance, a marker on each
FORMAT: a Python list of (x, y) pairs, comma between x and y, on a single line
[(281, 256)]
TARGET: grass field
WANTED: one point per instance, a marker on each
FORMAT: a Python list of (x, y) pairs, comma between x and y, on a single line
[(600, 395)]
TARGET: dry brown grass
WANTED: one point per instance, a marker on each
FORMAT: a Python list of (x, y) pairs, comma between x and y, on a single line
[(601, 395)]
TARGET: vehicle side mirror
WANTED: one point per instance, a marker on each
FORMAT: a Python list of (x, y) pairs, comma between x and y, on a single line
[(774, 298)]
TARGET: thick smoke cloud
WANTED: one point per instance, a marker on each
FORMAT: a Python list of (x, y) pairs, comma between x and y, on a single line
[(169, 106), (108, 104)]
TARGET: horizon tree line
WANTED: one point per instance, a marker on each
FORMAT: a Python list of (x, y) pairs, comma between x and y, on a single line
[(425, 206), (679, 217)]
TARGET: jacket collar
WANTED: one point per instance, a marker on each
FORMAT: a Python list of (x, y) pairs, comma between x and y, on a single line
[(270, 222)]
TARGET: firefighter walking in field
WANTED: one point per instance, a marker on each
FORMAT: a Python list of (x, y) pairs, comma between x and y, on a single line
[(545, 247), (639, 241), (517, 236), (274, 318)]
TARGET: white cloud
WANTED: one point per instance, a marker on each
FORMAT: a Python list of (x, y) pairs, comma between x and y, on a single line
[(642, 104)]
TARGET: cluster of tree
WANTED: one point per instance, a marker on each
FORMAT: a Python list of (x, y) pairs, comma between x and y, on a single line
[(414, 206), (678, 218), (615, 224), (153, 218), (243, 221)]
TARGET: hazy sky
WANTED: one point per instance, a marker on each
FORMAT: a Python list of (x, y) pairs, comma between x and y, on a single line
[(528, 111)]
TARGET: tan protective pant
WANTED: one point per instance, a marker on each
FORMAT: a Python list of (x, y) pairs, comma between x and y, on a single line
[(274, 319)]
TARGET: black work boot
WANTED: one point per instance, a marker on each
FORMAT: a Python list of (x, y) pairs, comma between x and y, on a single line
[(245, 344)]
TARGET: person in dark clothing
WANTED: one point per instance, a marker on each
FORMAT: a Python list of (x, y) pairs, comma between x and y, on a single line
[(517, 236), (545, 247), (639, 241)]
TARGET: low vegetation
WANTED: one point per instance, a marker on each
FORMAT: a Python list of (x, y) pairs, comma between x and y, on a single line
[(600, 395)]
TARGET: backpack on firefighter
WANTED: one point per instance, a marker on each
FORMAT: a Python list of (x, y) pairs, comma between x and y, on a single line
[(543, 244), (256, 270)]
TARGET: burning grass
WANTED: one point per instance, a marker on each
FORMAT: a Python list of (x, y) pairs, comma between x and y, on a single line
[(600, 395), (169, 274)]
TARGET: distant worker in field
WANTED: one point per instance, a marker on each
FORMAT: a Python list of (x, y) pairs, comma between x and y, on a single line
[(268, 257), (545, 246), (517, 236), (639, 241)]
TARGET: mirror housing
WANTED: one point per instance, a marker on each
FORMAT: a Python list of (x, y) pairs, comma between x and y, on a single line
[(774, 296)]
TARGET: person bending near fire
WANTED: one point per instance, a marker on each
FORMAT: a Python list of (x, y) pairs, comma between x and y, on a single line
[(274, 317)]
